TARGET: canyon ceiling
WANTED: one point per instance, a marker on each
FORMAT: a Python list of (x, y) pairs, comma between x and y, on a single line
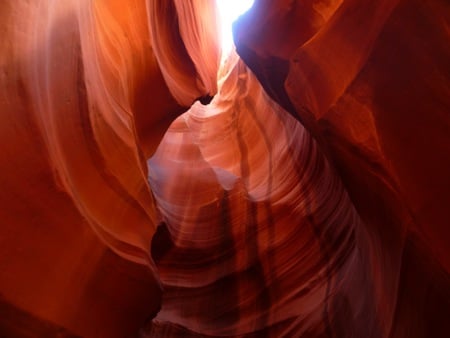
[(299, 187)]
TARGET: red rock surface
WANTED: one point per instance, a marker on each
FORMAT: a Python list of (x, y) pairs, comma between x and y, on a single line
[(308, 199), (371, 83)]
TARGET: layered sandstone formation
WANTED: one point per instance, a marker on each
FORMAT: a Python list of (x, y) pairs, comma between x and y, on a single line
[(303, 193)]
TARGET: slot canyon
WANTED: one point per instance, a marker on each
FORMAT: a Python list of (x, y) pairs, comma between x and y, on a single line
[(155, 186)]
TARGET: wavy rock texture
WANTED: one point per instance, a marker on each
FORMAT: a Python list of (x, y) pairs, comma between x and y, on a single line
[(263, 239), (68, 255), (370, 81), (84, 103), (308, 199)]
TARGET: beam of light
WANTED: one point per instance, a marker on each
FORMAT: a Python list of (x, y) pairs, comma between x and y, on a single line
[(229, 11)]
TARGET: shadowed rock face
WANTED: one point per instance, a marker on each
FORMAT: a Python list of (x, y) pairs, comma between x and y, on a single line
[(301, 190), (371, 84)]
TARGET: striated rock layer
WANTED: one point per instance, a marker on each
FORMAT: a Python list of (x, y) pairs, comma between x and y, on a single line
[(308, 199), (370, 81), (83, 103), (262, 240)]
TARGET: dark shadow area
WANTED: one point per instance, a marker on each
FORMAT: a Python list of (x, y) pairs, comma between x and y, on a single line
[(17, 323)]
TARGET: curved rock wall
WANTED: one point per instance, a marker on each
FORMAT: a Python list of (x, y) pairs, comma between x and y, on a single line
[(84, 103), (261, 238), (68, 252), (309, 198), (370, 82)]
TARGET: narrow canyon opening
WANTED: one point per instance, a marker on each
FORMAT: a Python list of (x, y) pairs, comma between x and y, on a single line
[(229, 11)]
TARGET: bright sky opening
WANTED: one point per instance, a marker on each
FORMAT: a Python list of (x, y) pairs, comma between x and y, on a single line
[(229, 11)]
